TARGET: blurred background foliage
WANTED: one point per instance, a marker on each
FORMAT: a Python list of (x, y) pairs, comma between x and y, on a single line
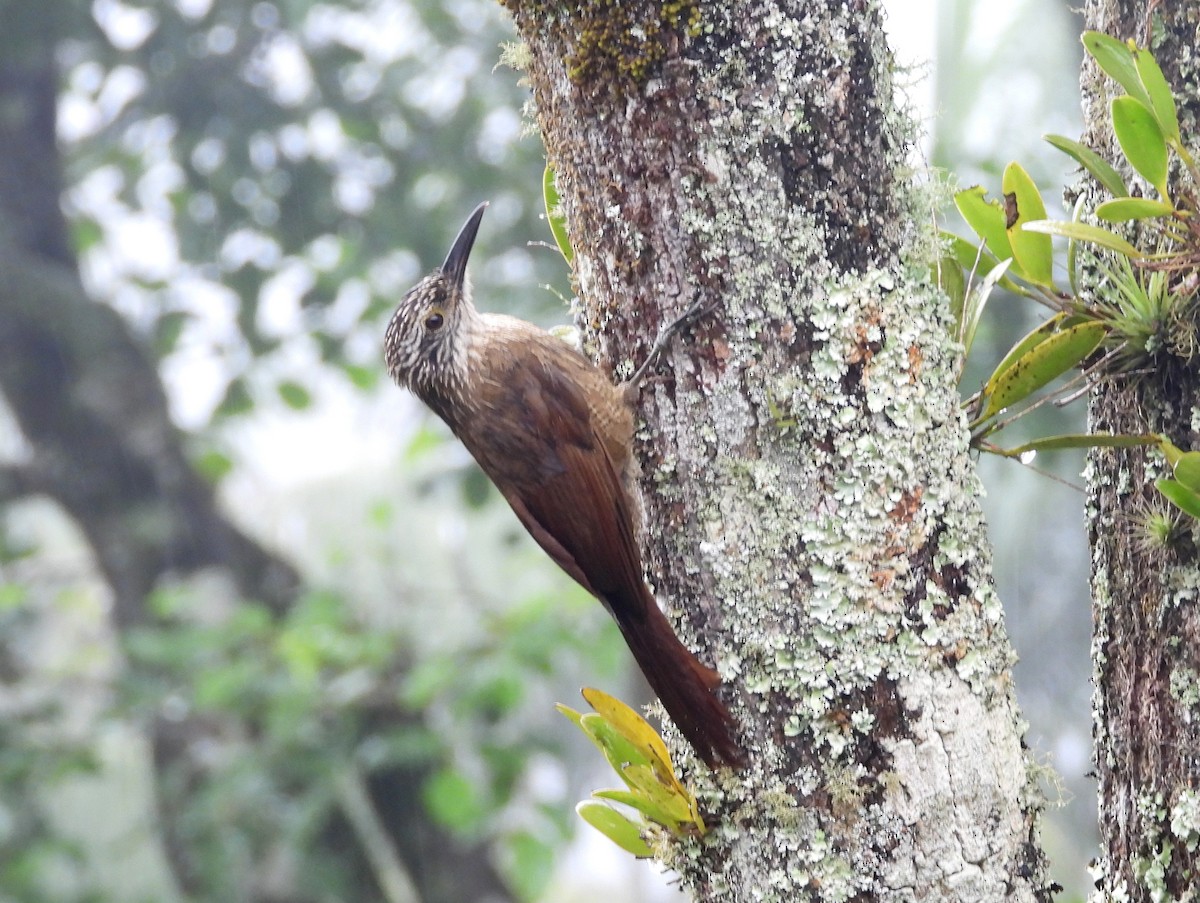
[(251, 186)]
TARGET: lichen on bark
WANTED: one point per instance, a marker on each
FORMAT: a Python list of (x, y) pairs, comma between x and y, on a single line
[(812, 512)]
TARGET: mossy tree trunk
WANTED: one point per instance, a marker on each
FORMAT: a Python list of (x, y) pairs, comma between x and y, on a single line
[(811, 509), (1146, 649)]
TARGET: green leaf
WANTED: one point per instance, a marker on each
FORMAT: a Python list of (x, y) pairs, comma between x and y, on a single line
[(426, 679), (671, 798), (1032, 250), (1030, 340), (294, 395), (1162, 102), (532, 865), (362, 377), (1116, 59), (616, 827), (558, 223), (950, 278), (616, 748), (453, 801), (214, 465), (1180, 496), (1187, 470), (425, 441), (1045, 362), (12, 596), (976, 261), (168, 330), (650, 806), (978, 299), (1124, 209), (576, 717), (86, 233), (1100, 168), (226, 686), (1079, 440), (634, 728), (1170, 451), (1141, 141), (1084, 232), (237, 399), (986, 218)]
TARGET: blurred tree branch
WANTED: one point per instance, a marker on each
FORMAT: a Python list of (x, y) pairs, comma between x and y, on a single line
[(92, 410), (15, 484)]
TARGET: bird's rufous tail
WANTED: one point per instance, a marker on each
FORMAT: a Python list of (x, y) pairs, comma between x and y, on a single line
[(686, 688)]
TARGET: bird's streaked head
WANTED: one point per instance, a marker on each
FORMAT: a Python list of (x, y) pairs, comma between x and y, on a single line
[(425, 344)]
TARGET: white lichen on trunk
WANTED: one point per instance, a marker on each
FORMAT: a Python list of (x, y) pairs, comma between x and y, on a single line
[(812, 513)]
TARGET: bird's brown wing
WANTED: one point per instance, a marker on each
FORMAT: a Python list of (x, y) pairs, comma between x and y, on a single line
[(550, 464), (549, 461)]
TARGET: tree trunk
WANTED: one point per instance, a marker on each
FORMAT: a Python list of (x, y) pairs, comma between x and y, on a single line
[(1146, 649), (811, 510)]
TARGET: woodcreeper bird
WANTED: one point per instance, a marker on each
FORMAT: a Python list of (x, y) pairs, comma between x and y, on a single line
[(555, 436)]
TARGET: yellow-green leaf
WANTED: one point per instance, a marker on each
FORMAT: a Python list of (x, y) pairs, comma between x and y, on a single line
[(643, 804), (977, 299), (1116, 58), (976, 260), (1043, 363), (558, 223), (1162, 102), (986, 218), (671, 796), (616, 827), (1187, 470), (1124, 209), (1100, 168), (948, 273), (1079, 440), (1141, 140), (454, 800), (635, 729), (575, 716), (616, 748), (1180, 496), (294, 395), (1084, 232), (1034, 337), (658, 804), (1032, 250), (1171, 451)]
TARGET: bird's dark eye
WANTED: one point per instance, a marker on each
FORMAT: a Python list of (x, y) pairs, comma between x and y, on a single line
[(434, 321)]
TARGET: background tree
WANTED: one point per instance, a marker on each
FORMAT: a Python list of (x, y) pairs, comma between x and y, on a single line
[(1146, 658), (217, 163)]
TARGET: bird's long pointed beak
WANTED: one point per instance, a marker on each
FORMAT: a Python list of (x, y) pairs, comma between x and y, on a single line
[(455, 266)]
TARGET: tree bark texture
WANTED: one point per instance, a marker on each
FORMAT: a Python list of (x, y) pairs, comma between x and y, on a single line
[(100, 443), (1146, 647), (811, 511)]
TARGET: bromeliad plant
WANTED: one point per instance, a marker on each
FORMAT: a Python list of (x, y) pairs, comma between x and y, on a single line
[(1149, 316), (639, 757)]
